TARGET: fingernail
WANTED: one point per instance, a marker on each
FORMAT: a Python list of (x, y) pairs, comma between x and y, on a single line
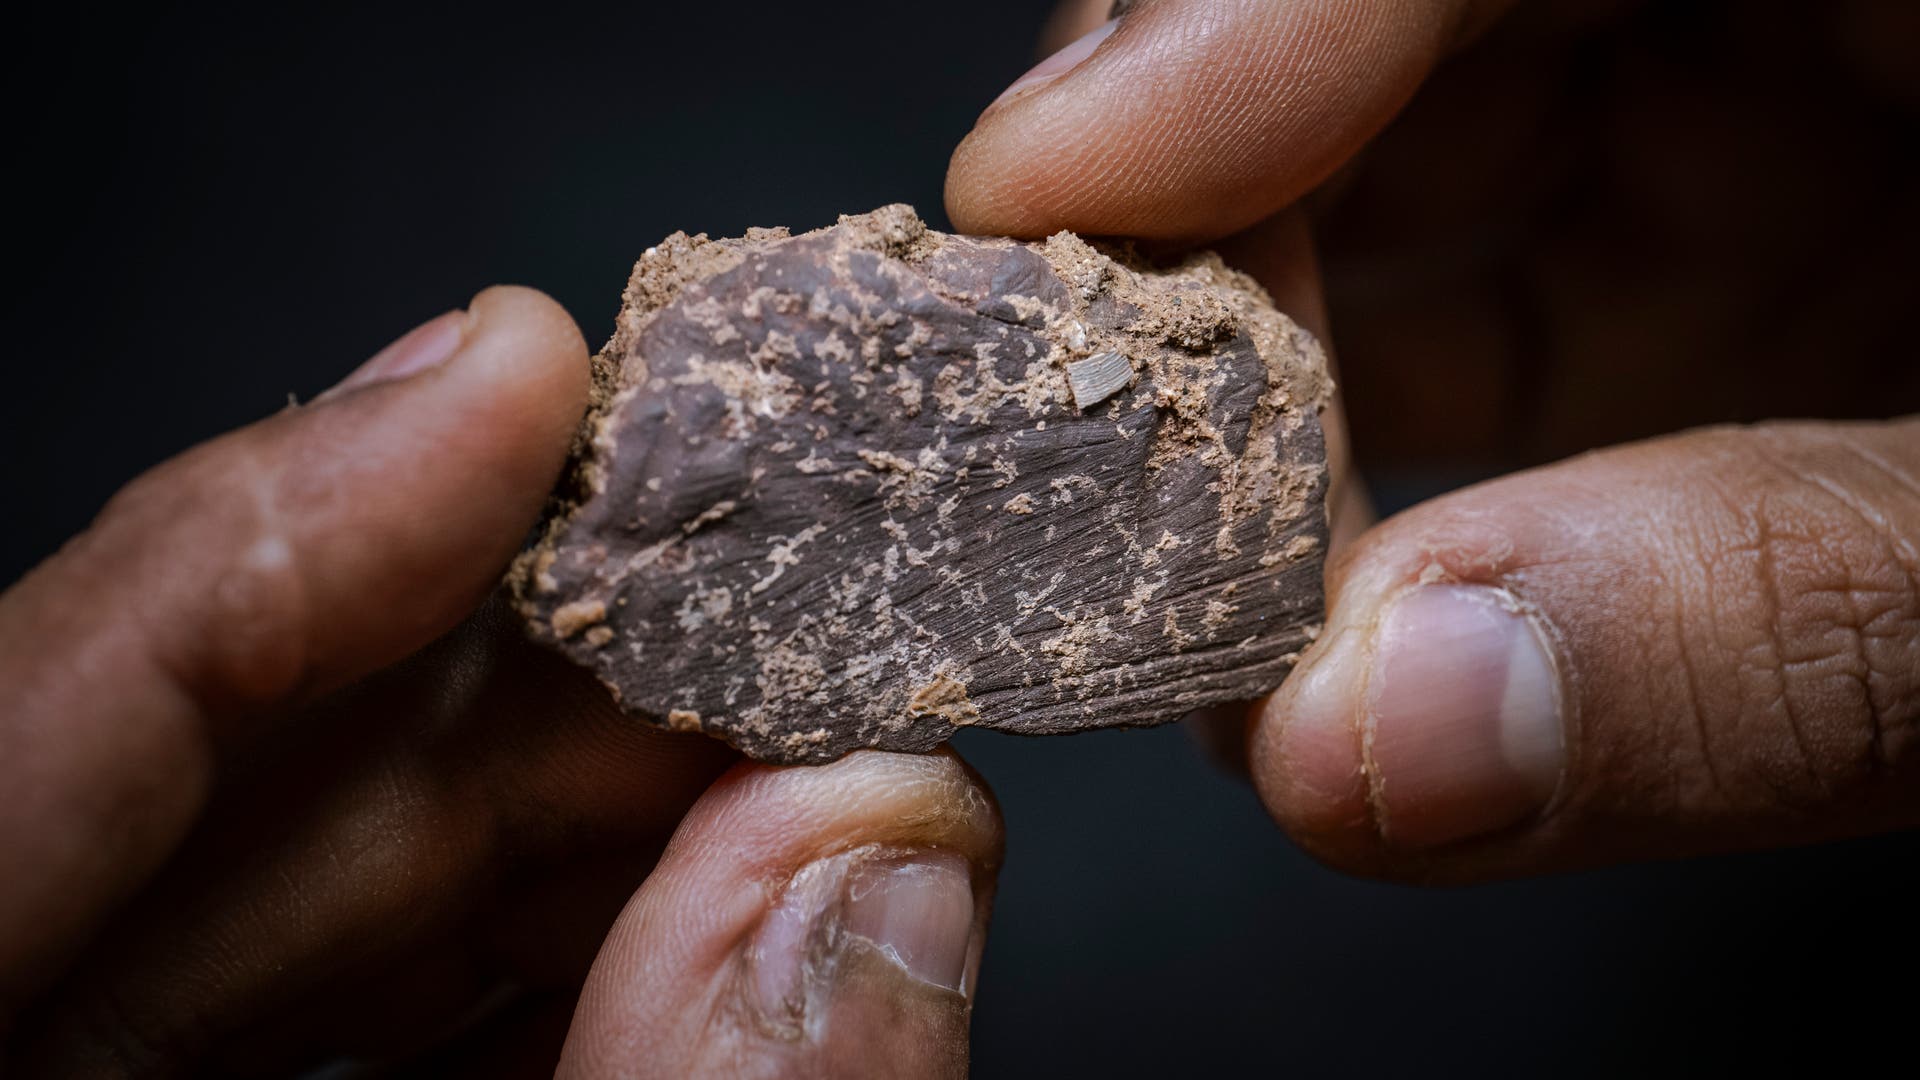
[(1061, 62), (426, 346), (1462, 730), (827, 946), (918, 912)]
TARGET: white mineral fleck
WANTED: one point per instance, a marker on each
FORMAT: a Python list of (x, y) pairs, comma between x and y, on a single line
[(1098, 378)]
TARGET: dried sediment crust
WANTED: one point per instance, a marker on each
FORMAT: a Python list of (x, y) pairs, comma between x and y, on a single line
[(836, 490)]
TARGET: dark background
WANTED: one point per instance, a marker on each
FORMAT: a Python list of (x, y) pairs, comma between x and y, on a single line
[(214, 210)]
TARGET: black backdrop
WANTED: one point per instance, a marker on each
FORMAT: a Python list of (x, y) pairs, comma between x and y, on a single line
[(217, 210)]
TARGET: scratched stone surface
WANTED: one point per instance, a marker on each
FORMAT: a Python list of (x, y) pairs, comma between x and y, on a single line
[(835, 491)]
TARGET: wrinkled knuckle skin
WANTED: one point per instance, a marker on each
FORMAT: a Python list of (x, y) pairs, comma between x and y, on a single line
[(1799, 642), (209, 530)]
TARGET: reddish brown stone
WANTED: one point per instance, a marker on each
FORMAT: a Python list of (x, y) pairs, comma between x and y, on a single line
[(836, 491)]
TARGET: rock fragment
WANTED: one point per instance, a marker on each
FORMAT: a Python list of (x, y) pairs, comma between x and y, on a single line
[(865, 486)]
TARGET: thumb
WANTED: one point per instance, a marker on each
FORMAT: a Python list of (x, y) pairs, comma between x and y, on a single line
[(1703, 643), (280, 559), (814, 921), (1187, 120)]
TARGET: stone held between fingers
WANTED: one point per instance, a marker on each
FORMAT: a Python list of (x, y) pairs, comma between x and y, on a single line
[(870, 484)]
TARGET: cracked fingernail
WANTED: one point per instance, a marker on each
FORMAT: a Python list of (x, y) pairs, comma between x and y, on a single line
[(919, 912)]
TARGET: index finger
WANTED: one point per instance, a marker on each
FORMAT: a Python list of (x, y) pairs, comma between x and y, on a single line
[(1187, 120)]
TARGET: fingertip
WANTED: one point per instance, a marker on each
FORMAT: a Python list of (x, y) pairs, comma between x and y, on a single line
[(535, 315), (803, 921), (976, 204), (1307, 752), (405, 492), (774, 818), (525, 343), (1194, 119)]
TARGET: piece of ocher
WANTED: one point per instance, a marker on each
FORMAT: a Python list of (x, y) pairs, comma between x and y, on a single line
[(865, 486)]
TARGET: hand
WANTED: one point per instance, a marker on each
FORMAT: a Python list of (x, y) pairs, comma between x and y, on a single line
[(277, 793), (1698, 643)]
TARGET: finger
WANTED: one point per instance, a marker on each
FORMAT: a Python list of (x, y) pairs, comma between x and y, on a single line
[(804, 922), (1702, 643), (1191, 119), (282, 558), (370, 876)]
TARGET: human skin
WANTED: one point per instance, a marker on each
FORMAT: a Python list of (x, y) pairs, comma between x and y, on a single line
[(283, 785), (278, 792), (1703, 642)]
